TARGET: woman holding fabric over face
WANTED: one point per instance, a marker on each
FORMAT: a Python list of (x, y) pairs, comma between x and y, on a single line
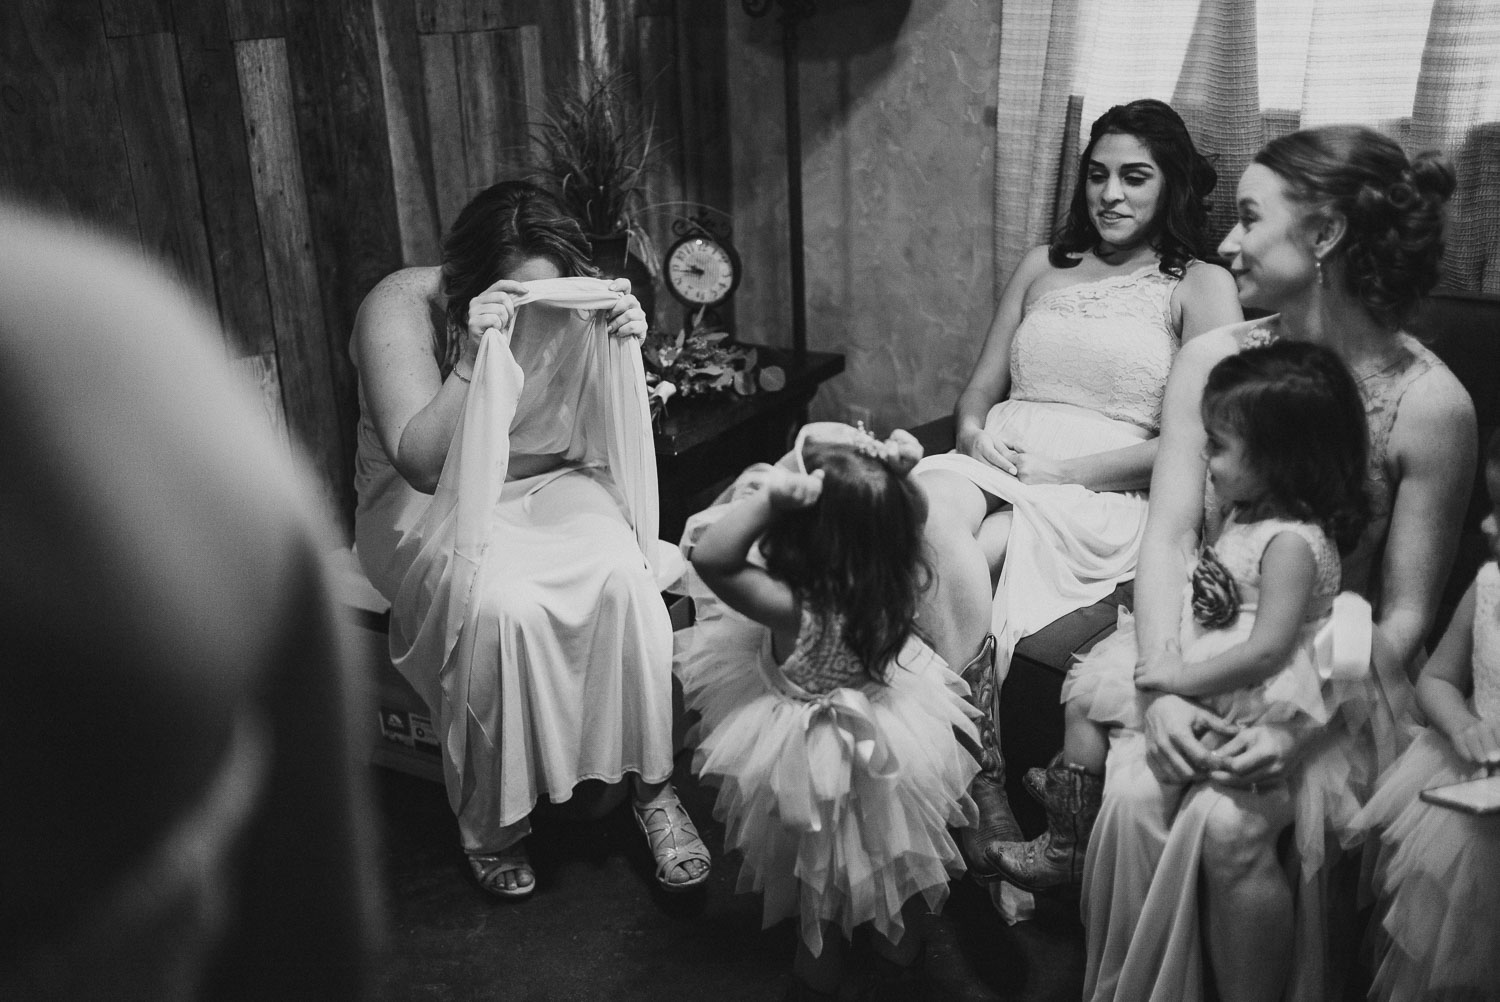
[(507, 508), (1186, 880), (1056, 431)]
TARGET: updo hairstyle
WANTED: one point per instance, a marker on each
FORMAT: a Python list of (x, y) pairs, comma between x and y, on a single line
[(1392, 250), (1179, 233), (502, 226)]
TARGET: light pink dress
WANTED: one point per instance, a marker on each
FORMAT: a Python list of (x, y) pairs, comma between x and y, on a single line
[(1141, 887)]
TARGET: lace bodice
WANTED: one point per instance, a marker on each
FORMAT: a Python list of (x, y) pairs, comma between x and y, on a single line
[(1241, 547), (1105, 345), (1487, 642), (821, 661)]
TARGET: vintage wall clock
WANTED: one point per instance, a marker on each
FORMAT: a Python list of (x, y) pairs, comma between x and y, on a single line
[(701, 268)]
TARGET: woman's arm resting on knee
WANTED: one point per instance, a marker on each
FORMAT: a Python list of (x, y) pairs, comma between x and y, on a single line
[(990, 380), (1432, 449)]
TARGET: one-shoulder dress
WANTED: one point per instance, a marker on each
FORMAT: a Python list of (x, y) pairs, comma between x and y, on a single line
[(839, 790), (1438, 870), (1088, 370)]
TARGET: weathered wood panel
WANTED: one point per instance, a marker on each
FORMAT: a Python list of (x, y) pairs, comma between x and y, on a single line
[(498, 88), (660, 97), (445, 127), (704, 91), (291, 269), (63, 145), (212, 90), (441, 15), (406, 124), (334, 59), (159, 145), (256, 18), (135, 17)]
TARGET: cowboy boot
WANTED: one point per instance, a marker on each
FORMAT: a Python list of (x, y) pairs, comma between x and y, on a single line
[(997, 824), (1071, 795)]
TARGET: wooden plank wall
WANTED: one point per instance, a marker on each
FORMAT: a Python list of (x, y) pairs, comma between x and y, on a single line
[(281, 156)]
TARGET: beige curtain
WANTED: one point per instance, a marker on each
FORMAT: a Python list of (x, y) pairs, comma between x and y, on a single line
[(1241, 72)]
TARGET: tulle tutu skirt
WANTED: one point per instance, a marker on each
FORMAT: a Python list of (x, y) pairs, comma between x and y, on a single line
[(1438, 875), (840, 804)]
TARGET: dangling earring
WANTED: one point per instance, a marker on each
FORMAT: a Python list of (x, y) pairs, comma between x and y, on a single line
[(1318, 267)]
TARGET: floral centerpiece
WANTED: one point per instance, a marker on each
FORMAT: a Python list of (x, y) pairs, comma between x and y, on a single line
[(704, 362)]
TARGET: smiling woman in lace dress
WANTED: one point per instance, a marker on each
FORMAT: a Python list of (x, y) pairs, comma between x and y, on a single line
[(1056, 429)]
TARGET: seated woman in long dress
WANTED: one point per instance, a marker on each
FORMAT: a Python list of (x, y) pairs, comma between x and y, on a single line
[(1184, 881), (507, 508), (1043, 501)]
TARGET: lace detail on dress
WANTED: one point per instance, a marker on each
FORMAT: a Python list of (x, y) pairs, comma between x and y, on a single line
[(1105, 345), (1242, 546), (821, 661), (1487, 642)]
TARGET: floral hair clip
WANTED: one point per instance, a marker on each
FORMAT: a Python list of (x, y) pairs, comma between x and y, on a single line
[(900, 452)]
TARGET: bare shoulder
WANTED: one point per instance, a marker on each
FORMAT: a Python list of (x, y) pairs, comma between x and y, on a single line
[(1435, 408), (1035, 264), (414, 286), (1205, 280)]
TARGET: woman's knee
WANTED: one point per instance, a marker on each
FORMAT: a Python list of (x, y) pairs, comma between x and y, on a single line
[(954, 502), (1240, 837)]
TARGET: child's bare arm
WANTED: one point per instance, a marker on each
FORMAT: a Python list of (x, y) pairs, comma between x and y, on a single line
[(720, 556), (1288, 575), (1444, 685)]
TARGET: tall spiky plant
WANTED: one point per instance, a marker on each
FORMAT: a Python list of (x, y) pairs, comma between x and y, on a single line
[(597, 151)]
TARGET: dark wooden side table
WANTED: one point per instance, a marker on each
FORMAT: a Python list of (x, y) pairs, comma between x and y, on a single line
[(702, 444)]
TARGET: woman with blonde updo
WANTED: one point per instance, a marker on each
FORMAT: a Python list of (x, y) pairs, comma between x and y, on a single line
[(1340, 235)]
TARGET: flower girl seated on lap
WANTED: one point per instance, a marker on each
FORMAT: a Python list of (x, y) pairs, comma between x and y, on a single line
[(1438, 868), (1249, 647), (827, 721)]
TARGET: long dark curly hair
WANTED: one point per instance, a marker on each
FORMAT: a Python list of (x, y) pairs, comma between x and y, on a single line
[(1299, 413), (1393, 248), (502, 226), (1179, 233), (857, 552)]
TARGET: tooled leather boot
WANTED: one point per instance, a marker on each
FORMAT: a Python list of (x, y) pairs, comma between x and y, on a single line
[(1071, 795), (997, 823)]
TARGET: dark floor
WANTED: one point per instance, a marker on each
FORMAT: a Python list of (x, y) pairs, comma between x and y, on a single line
[(598, 929)]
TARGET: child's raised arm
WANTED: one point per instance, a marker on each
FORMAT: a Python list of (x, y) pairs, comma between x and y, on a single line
[(720, 556), (1288, 573), (1443, 688)]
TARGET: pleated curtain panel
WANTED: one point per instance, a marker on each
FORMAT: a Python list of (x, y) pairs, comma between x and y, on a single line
[(1242, 72)]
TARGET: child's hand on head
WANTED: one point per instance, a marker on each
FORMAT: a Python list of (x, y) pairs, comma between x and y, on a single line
[(1479, 743), (787, 489)]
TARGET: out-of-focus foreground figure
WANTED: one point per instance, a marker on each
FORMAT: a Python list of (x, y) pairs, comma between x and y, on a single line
[(183, 815)]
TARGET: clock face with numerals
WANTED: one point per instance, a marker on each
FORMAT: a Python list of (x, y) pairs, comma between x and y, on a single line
[(702, 272)]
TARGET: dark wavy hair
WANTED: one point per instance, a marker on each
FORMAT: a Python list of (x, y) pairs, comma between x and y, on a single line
[(1299, 413), (1179, 233), (502, 226), (1393, 248), (857, 553)]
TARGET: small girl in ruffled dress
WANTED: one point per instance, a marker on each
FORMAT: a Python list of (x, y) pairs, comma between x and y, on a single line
[(1438, 869), (827, 722), (1286, 451)]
